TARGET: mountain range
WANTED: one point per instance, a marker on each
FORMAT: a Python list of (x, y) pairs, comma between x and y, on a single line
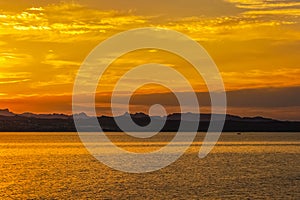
[(10, 121)]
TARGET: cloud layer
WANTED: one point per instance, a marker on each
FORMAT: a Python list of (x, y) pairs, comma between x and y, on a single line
[(256, 44)]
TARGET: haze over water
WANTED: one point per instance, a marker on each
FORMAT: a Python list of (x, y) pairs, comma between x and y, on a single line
[(57, 166)]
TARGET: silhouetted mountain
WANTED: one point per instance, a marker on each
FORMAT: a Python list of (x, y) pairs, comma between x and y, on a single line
[(45, 116), (6, 112), (63, 123), (80, 116)]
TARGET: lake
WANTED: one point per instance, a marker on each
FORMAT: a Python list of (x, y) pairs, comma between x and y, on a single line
[(57, 166)]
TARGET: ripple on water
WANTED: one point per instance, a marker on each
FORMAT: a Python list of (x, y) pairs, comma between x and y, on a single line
[(57, 166)]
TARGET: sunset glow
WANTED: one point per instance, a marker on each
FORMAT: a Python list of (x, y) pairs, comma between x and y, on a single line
[(255, 44)]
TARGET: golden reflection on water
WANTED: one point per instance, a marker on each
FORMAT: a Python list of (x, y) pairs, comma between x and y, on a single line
[(57, 166), (17, 149)]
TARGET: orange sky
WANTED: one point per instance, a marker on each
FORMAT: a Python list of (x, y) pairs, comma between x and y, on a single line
[(255, 44)]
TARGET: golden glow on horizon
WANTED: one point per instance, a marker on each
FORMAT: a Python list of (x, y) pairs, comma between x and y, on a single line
[(42, 47)]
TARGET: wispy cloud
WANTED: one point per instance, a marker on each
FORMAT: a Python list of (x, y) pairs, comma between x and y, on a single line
[(255, 43), (10, 78), (264, 4), (286, 9), (59, 22), (283, 77), (288, 12), (9, 58)]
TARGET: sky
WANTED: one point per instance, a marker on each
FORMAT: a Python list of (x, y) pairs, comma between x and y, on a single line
[(254, 43)]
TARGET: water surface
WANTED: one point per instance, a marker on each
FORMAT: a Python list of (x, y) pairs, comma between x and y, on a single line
[(57, 166)]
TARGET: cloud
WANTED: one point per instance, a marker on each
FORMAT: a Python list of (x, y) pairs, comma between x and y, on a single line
[(58, 22), (167, 8), (38, 103), (73, 22), (246, 26), (9, 81), (268, 97), (283, 77), (11, 78), (264, 4), (254, 43), (10, 58), (279, 103), (287, 10)]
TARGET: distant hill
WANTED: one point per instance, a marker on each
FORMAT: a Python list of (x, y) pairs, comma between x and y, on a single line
[(6, 112), (11, 122)]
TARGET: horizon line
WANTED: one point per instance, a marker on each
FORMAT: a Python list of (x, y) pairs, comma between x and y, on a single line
[(127, 113)]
